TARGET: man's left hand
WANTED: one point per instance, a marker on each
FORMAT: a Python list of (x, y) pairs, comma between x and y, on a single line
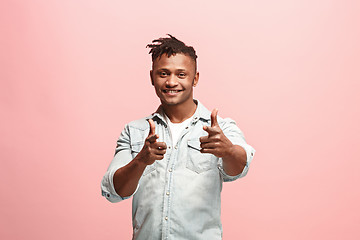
[(216, 142)]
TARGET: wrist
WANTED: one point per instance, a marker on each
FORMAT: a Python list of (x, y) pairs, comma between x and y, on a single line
[(138, 162), (229, 151)]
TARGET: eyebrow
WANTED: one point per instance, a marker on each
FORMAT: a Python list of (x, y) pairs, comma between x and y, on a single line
[(166, 69)]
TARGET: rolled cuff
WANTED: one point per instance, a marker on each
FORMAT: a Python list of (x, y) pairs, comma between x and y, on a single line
[(108, 189), (250, 152)]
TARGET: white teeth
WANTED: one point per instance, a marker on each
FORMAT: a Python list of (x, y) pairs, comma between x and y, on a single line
[(172, 91)]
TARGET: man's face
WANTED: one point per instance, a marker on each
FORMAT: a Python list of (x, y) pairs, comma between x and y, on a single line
[(173, 78)]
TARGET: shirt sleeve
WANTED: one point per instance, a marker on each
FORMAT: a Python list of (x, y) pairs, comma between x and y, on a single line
[(121, 158), (236, 136)]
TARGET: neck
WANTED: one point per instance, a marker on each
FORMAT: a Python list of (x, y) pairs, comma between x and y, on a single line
[(181, 112)]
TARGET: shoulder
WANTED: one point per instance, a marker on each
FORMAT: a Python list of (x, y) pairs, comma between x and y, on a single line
[(229, 127), (140, 124), (137, 130), (226, 122)]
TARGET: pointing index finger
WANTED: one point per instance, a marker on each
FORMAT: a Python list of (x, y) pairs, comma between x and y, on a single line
[(152, 127), (214, 121)]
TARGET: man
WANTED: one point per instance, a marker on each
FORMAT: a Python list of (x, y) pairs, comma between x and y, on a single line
[(173, 162)]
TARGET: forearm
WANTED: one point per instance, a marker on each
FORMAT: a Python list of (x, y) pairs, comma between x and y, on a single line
[(127, 178), (235, 161)]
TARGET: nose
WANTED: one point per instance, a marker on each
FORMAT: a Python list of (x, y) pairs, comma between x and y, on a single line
[(171, 81)]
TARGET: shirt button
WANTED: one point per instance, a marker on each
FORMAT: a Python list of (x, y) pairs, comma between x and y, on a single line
[(175, 147), (169, 147), (186, 127), (166, 218), (170, 170), (167, 193), (252, 154)]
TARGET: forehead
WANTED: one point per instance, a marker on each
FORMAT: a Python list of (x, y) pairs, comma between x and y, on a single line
[(177, 61)]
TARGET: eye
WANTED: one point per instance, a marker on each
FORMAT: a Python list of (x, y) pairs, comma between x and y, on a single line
[(182, 75), (163, 74)]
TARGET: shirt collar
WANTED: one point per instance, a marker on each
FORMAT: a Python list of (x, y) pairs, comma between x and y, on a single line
[(201, 113)]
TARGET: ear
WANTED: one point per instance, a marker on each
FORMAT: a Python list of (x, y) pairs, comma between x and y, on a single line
[(151, 77), (196, 79)]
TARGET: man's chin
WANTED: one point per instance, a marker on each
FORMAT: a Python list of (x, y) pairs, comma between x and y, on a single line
[(169, 103)]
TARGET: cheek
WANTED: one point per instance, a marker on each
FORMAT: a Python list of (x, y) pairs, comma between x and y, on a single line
[(156, 83), (157, 86), (189, 83)]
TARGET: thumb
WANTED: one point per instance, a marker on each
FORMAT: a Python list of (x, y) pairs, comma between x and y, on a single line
[(214, 121), (152, 127)]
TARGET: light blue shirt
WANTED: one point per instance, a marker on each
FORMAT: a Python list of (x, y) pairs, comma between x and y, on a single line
[(178, 197)]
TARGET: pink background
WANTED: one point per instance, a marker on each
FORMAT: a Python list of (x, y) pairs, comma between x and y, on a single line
[(73, 73)]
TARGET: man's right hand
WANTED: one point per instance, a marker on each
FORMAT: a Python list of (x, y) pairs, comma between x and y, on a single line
[(126, 178), (152, 149)]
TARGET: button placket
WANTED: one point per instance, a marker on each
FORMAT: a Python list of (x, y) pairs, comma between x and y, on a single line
[(167, 197)]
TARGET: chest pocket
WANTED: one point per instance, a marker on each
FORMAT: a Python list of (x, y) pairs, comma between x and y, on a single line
[(135, 149), (197, 161)]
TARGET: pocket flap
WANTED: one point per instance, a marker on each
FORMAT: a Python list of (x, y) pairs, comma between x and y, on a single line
[(194, 143)]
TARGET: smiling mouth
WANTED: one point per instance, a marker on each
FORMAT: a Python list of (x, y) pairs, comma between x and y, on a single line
[(171, 91)]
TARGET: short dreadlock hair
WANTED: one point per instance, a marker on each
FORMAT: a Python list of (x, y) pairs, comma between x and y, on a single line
[(170, 46)]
